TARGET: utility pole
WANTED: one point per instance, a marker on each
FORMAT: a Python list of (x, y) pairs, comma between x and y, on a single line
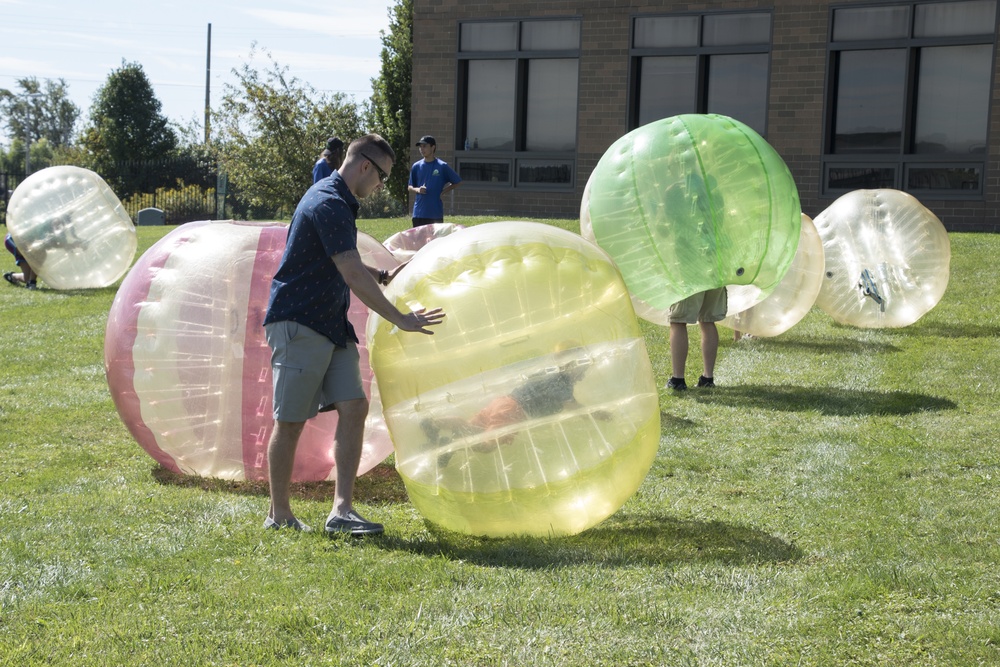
[(208, 83), (28, 116)]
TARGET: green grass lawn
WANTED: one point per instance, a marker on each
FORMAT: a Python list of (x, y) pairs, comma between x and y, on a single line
[(832, 502)]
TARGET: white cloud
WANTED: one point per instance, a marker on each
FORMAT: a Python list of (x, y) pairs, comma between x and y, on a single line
[(345, 19)]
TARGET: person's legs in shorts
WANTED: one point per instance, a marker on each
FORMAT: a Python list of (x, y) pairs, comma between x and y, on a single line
[(298, 368)]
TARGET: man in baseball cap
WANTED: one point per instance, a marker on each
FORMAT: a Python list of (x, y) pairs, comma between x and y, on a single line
[(430, 178)]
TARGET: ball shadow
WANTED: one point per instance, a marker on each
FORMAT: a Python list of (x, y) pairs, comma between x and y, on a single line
[(847, 346), (827, 401), (954, 330), (645, 540)]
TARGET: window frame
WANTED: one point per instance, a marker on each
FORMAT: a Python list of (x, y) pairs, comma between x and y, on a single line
[(519, 152), (702, 55), (903, 161)]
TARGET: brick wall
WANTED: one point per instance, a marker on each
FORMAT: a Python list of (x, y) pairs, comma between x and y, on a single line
[(795, 111)]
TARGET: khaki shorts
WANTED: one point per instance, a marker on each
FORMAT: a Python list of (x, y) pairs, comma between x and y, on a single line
[(708, 306), (310, 373)]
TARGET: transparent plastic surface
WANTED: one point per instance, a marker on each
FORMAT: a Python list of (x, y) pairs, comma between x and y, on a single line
[(533, 409), (71, 228), (886, 258), (794, 296), (188, 365), (691, 203), (403, 245)]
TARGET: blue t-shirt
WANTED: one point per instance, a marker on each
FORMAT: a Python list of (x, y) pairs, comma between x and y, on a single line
[(321, 169), (307, 287), (435, 175)]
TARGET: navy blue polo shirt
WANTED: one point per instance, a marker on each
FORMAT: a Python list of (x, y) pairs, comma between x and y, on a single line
[(307, 287)]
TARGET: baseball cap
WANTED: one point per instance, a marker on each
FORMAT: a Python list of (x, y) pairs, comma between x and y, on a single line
[(427, 139)]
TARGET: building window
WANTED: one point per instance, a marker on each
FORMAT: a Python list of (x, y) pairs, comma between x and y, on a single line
[(909, 97), (702, 63), (518, 99)]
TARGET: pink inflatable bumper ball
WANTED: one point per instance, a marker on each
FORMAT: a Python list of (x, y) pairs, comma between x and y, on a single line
[(187, 362)]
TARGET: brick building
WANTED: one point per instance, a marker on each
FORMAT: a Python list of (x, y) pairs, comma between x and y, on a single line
[(525, 97)]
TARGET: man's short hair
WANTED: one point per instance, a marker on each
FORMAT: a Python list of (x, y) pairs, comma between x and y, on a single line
[(369, 144)]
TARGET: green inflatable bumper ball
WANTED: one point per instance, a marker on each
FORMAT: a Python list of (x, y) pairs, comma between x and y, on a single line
[(691, 203)]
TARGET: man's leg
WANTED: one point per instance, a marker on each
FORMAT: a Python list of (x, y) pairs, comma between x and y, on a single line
[(709, 347), (280, 461), (678, 348), (29, 274), (347, 445)]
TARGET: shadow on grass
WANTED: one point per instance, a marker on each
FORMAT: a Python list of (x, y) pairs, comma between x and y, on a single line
[(954, 330), (643, 540), (381, 485), (847, 346), (827, 401), (650, 540)]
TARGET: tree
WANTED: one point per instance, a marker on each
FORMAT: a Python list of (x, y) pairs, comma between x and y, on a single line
[(270, 129), (39, 114), (126, 125), (389, 108)]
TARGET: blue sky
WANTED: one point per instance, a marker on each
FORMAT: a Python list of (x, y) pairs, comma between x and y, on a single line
[(333, 45)]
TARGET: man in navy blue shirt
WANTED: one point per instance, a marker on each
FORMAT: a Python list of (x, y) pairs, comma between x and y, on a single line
[(329, 159), (314, 355), (429, 179)]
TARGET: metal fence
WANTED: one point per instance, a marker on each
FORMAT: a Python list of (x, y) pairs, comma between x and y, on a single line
[(184, 189)]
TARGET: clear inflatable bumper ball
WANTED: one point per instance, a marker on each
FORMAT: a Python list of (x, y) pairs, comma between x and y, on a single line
[(691, 203), (405, 244), (794, 296), (886, 259), (71, 228), (533, 409), (187, 362)]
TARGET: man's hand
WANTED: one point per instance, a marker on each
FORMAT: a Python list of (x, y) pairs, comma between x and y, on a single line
[(361, 280), (418, 320)]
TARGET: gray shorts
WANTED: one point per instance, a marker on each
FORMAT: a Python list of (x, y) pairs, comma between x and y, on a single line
[(310, 373), (707, 306)]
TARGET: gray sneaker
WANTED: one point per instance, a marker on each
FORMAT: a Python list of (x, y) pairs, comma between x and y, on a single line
[(354, 524), (294, 524)]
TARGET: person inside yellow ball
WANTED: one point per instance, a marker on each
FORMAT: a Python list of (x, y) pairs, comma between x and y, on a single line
[(542, 394)]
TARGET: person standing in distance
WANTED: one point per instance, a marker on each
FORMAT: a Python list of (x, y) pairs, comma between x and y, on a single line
[(329, 159), (704, 308), (429, 179), (314, 354)]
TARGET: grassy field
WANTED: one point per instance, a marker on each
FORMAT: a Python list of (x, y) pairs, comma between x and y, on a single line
[(833, 502)]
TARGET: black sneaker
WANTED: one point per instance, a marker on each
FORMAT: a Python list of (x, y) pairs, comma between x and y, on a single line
[(706, 382), (354, 524), (677, 384)]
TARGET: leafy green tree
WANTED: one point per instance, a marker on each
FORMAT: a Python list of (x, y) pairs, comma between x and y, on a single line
[(389, 108), (270, 128), (39, 114), (126, 125)]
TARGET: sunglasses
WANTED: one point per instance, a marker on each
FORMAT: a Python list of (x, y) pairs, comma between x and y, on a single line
[(381, 174)]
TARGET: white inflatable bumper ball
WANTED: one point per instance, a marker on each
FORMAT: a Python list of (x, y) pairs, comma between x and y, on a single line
[(187, 362), (71, 228), (532, 410), (403, 245), (886, 259), (794, 296), (691, 203)]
